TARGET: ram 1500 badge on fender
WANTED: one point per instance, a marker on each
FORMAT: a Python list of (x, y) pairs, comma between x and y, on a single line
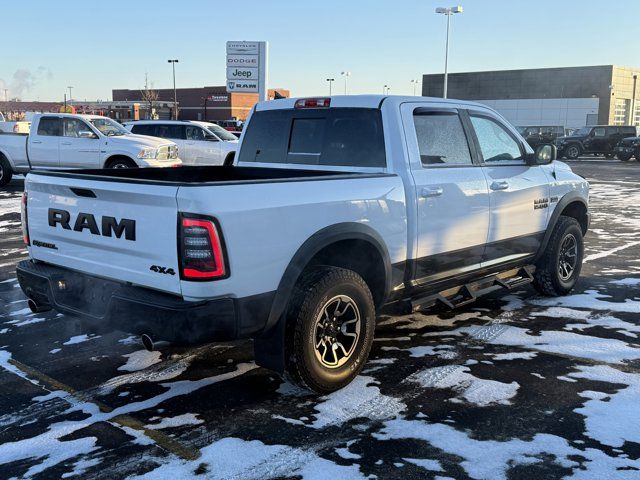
[(334, 208)]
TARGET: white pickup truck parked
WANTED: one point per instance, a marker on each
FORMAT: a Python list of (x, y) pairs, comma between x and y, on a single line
[(199, 143), (334, 208), (62, 141)]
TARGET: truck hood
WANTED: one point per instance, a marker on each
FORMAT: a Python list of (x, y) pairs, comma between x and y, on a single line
[(138, 140)]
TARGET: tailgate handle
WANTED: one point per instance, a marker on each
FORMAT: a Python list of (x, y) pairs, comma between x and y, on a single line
[(83, 192)]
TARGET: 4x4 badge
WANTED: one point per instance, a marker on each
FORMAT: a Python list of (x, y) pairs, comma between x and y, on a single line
[(165, 270)]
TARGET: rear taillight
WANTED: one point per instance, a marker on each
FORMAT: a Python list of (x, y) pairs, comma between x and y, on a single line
[(202, 255), (23, 215), (313, 103)]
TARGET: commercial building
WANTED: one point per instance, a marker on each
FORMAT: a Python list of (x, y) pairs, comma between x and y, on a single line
[(203, 103), (569, 96)]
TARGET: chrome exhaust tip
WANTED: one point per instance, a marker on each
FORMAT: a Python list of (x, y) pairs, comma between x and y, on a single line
[(147, 342), (35, 308)]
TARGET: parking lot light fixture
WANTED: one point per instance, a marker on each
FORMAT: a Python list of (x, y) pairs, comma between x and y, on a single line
[(346, 76), (330, 80), (448, 11), (70, 97), (415, 83), (175, 96)]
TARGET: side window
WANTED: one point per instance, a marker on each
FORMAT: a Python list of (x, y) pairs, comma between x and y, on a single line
[(142, 130), (50, 127), (598, 132), (194, 133), (495, 141), (441, 138), (532, 131), (73, 127), (613, 130), (169, 131)]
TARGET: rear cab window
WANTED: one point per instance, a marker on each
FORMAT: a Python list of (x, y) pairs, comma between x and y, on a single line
[(340, 137), (50, 127)]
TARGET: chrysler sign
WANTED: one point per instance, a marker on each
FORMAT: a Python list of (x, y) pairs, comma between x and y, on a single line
[(247, 67)]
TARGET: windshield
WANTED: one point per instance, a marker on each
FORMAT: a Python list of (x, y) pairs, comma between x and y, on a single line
[(108, 127), (582, 131), (221, 133)]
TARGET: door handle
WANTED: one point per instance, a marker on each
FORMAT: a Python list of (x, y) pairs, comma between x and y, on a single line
[(36, 141), (65, 143), (499, 185), (431, 192)]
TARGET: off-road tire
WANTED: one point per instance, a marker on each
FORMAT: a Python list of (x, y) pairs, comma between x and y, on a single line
[(310, 296), (547, 278), (5, 171), (121, 163), (573, 151)]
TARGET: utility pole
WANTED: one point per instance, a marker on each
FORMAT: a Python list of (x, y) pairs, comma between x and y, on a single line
[(175, 96), (70, 97)]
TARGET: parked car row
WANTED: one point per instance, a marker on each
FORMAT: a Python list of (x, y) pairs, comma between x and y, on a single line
[(607, 140), (199, 143), (63, 141)]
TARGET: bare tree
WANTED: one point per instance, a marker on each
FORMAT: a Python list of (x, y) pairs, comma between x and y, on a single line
[(149, 95)]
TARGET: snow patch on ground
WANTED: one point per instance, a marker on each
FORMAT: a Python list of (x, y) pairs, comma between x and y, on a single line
[(177, 421), (514, 356), (474, 390), (491, 460), (80, 339), (237, 459), (139, 360), (566, 343), (611, 419), (591, 300), (442, 351)]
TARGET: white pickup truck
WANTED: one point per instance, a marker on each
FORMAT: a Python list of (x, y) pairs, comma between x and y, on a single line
[(333, 209), (62, 141), (199, 143)]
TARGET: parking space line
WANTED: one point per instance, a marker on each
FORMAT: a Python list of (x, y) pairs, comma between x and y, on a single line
[(161, 440)]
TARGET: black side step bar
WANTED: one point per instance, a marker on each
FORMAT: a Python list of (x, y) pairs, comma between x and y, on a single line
[(464, 294)]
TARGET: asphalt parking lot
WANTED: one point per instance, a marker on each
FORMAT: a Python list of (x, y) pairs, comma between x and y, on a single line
[(514, 386)]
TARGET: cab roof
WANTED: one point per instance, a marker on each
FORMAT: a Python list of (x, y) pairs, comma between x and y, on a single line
[(361, 101)]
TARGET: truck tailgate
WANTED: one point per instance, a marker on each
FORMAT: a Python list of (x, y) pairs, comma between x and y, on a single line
[(118, 230)]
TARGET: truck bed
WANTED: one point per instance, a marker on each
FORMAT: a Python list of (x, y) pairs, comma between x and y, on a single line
[(203, 175)]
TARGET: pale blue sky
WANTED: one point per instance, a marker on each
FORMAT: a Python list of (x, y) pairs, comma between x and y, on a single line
[(96, 46)]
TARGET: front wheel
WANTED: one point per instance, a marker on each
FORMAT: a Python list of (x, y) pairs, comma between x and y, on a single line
[(5, 171), (121, 163), (330, 327), (559, 268), (572, 152), (625, 157)]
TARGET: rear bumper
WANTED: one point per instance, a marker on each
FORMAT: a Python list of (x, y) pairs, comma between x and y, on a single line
[(118, 306)]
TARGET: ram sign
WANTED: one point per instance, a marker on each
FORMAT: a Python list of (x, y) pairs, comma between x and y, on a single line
[(247, 67)]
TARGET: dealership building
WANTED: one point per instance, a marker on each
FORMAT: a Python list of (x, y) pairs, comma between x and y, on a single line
[(203, 103), (568, 96)]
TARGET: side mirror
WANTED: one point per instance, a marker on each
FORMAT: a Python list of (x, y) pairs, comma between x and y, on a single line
[(86, 134), (544, 155)]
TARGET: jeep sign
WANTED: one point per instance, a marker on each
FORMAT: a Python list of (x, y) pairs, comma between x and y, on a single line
[(239, 73), (247, 67)]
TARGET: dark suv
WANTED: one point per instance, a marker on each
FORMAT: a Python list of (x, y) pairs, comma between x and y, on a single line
[(627, 148), (599, 139), (541, 134)]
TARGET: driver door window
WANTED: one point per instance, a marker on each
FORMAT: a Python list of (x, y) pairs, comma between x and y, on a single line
[(194, 133), (73, 127), (496, 143)]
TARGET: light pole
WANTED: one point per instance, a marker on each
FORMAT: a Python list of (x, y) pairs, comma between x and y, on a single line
[(70, 97), (384, 89), (448, 11), (346, 76), (330, 80), (415, 84), (175, 96), (6, 99)]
